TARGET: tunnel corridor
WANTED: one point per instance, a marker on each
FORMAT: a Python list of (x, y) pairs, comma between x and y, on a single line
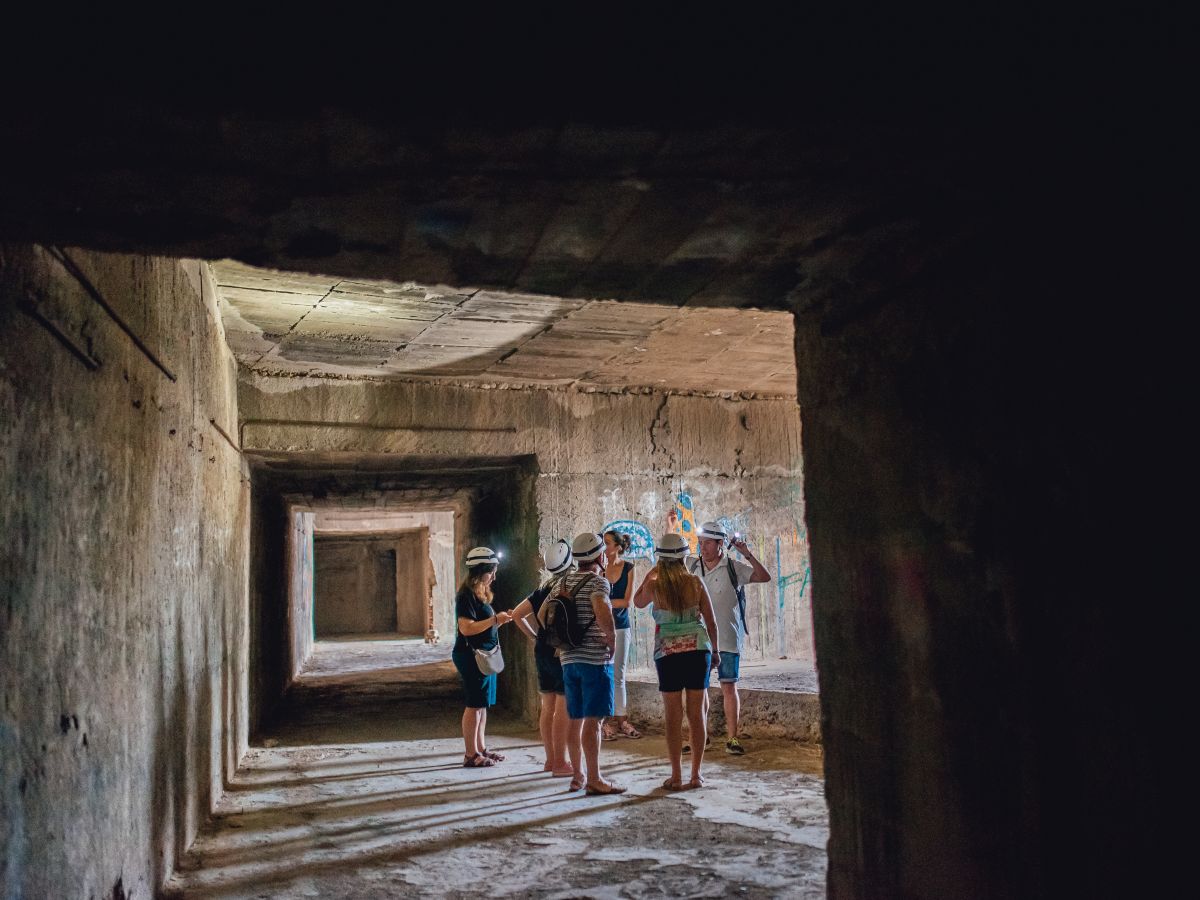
[(879, 345)]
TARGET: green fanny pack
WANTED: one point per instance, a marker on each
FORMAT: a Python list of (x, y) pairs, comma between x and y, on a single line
[(682, 637)]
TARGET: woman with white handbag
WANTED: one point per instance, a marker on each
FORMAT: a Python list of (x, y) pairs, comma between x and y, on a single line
[(476, 653)]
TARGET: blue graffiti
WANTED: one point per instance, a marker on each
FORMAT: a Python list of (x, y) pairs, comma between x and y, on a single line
[(738, 524), (641, 542)]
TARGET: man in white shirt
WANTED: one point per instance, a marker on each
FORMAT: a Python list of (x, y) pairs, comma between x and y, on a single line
[(726, 579)]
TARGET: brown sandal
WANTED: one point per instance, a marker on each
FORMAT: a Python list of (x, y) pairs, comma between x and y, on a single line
[(629, 731), (606, 732), (494, 757), (478, 761)]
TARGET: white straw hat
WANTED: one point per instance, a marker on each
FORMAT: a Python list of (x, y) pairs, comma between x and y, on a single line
[(482, 556)]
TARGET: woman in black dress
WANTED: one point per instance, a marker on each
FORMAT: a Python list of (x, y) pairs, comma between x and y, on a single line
[(478, 629)]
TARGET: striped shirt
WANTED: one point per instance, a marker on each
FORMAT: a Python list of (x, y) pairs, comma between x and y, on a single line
[(592, 651)]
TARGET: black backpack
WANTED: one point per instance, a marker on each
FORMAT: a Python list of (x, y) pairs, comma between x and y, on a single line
[(560, 618)]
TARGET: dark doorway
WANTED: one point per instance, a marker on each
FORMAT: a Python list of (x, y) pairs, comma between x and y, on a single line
[(355, 586)]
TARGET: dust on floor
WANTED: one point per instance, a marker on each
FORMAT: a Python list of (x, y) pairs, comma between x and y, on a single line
[(353, 817)]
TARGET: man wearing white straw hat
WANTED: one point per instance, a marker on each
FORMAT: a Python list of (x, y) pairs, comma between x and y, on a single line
[(726, 580)]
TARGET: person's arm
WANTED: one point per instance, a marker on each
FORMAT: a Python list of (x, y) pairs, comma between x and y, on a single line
[(470, 627), (623, 602), (760, 575), (521, 614), (644, 595), (709, 617), (604, 618)]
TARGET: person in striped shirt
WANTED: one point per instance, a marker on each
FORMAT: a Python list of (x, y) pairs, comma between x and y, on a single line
[(587, 668)]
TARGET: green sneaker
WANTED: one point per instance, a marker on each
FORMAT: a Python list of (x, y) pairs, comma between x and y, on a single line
[(734, 746)]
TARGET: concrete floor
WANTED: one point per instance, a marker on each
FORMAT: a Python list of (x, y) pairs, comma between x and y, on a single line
[(370, 653), (793, 676), (355, 803)]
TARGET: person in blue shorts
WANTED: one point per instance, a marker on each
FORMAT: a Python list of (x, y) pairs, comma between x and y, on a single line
[(587, 668), (726, 580), (478, 629), (685, 649), (553, 723)]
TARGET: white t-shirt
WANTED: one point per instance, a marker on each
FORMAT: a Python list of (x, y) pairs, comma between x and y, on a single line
[(730, 632)]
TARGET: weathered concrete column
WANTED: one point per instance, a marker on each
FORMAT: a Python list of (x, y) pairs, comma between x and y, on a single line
[(985, 681)]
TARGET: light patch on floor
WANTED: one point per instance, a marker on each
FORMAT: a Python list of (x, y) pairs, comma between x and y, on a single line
[(403, 818)]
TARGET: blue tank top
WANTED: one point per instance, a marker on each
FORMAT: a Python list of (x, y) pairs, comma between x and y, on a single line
[(620, 589)]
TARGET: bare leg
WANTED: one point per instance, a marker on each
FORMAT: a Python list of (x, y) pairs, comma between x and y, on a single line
[(591, 751), (733, 707), (673, 709), (560, 729), (480, 737), (697, 714), (575, 750), (691, 738), (470, 729), (546, 729)]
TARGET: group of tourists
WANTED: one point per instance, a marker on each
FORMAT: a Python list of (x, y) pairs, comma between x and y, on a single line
[(579, 622)]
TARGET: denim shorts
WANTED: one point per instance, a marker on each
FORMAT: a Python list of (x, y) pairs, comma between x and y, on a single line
[(589, 690), (683, 671), (728, 671), (549, 674)]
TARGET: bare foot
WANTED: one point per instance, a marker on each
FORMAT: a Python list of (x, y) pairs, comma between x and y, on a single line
[(546, 767), (673, 784), (696, 782), (563, 772)]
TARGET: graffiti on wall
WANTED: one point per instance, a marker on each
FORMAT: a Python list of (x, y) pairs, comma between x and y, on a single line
[(682, 520), (641, 541)]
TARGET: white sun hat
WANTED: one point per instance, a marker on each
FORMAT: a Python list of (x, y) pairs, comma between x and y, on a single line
[(672, 546), (482, 556), (558, 558), (587, 546)]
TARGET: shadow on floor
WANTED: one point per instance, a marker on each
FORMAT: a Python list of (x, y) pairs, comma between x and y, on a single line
[(360, 803)]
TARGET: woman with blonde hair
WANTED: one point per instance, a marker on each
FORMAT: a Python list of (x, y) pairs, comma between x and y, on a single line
[(685, 650), (478, 629)]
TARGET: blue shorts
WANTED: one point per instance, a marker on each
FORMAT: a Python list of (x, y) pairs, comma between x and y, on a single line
[(479, 689), (728, 671), (589, 690), (683, 671), (549, 674)]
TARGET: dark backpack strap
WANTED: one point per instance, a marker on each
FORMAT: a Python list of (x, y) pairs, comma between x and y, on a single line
[(741, 594), (574, 597)]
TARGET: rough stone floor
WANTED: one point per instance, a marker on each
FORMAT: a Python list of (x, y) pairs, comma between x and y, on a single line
[(377, 805)]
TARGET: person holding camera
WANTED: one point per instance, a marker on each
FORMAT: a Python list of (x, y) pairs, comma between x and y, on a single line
[(726, 580)]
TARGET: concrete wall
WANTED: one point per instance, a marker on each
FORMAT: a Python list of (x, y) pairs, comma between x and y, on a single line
[(123, 624), (603, 459), (356, 586), (301, 555), (443, 558)]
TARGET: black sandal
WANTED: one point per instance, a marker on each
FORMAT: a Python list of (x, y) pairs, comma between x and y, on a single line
[(494, 757), (478, 761)]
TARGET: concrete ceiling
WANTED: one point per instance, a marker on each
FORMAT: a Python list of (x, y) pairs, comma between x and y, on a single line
[(285, 322)]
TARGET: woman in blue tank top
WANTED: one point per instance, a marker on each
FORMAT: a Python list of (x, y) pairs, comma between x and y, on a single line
[(619, 573), (685, 649)]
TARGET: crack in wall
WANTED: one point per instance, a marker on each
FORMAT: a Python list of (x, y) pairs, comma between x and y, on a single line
[(659, 422)]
